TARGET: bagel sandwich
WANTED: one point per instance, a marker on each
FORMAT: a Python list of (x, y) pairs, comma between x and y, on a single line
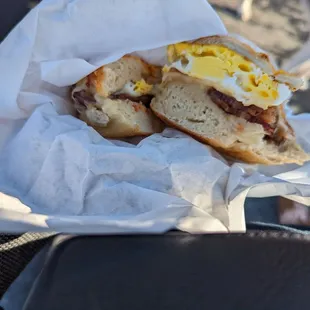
[(115, 98), (230, 96)]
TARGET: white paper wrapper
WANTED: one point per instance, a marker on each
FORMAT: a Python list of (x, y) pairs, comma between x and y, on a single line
[(70, 179)]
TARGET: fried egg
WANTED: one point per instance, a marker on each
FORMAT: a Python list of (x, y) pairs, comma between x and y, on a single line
[(228, 71), (136, 89)]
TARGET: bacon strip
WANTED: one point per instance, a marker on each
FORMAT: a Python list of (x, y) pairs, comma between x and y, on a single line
[(144, 99), (253, 114), (83, 98)]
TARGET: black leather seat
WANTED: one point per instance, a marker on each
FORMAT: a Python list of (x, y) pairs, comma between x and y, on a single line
[(259, 270)]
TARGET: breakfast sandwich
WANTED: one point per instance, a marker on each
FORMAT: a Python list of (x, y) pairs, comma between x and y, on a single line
[(115, 98), (225, 94)]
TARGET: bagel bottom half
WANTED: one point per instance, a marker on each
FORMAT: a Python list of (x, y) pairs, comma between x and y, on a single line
[(116, 119), (187, 107)]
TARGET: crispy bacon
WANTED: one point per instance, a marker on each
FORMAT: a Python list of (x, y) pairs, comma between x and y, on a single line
[(84, 98), (267, 118), (144, 99)]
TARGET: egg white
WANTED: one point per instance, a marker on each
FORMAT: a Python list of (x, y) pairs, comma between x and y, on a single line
[(129, 88)]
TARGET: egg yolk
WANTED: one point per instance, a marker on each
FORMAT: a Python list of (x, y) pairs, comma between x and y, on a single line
[(218, 62), (142, 87)]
